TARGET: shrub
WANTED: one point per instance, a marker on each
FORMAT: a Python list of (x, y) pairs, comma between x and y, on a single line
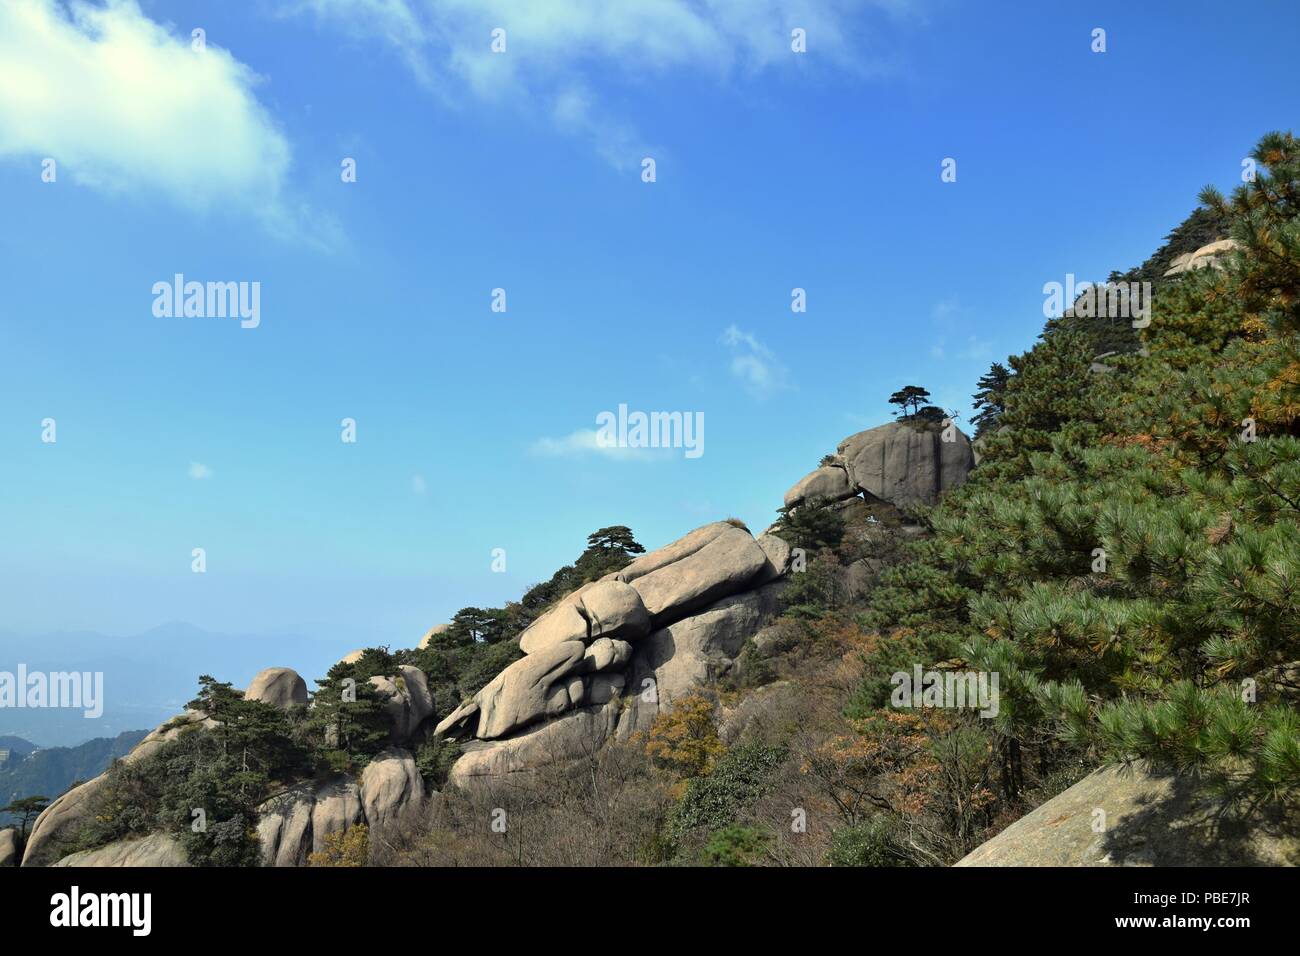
[(739, 778), (734, 845)]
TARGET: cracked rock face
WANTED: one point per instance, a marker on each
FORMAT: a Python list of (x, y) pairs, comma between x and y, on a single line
[(599, 663)]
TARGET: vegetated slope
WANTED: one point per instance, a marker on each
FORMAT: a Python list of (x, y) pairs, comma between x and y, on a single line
[(53, 770), (1126, 555)]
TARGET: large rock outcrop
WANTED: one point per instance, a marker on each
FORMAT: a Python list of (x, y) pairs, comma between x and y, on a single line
[(1132, 816), (908, 462), (391, 788), (406, 700), (284, 827), (1209, 256), (293, 825), (829, 483), (337, 807), (278, 686), (66, 814), (156, 849), (8, 847), (600, 663)]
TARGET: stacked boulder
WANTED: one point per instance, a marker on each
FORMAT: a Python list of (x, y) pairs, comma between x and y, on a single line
[(295, 824), (904, 463), (600, 663)]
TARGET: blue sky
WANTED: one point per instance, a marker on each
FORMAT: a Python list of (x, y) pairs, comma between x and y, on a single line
[(522, 170)]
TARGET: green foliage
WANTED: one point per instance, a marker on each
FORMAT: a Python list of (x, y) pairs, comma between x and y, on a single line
[(712, 802), (347, 719), (735, 845), (989, 401), (909, 399), (204, 786), (877, 842), (813, 525), (1122, 558), (26, 809), (434, 760)]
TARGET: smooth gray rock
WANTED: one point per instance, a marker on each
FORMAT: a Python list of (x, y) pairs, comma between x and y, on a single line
[(391, 788), (406, 700), (778, 553), (907, 463), (1147, 819), (573, 736), (337, 807), (604, 608), (278, 686), (725, 565), (156, 849), (829, 482), (284, 827), (683, 547), (523, 693), (606, 653), (700, 649), (1207, 256), (562, 623), (8, 847)]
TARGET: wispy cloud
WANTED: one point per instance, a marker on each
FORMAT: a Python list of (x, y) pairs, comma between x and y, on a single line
[(125, 106), (552, 47), (586, 443), (753, 364), (199, 471), (418, 485)]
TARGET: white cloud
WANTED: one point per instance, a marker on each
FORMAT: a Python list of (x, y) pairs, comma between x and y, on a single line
[(753, 363), (124, 105), (199, 471), (551, 46), (586, 442)]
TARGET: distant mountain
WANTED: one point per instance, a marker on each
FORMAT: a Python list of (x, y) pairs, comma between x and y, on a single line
[(18, 748), (51, 771), (148, 677)]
